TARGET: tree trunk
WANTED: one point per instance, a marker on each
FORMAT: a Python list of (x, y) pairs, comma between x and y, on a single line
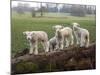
[(73, 58)]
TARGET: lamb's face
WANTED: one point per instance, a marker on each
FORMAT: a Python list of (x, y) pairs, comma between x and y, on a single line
[(58, 27), (75, 25), (28, 35)]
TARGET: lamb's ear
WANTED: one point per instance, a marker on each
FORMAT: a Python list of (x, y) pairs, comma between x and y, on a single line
[(32, 33), (25, 33), (76, 24)]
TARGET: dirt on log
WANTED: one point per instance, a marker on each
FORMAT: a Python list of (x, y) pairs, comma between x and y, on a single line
[(73, 58)]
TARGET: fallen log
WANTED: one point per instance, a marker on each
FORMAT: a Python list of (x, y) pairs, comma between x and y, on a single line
[(73, 58)]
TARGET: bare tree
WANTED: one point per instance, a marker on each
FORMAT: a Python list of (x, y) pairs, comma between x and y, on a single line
[(20, 8), (77, 10)]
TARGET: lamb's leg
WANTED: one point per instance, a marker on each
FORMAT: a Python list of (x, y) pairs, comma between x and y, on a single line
[(77, 38), (55, 48), (46, 46), (57, 45), (67, 42), (31, 48), (87, 41), (62, 44), (51, 48), (71, 39), (82, 41), (36, 48)]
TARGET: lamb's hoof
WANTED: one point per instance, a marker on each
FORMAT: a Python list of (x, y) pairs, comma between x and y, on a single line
[(30, 53), (86, 47), (66, 46), (61, 48), (72, 44), (47, 52), (81, 46), (35, 53), (56, 49), (77, 43)]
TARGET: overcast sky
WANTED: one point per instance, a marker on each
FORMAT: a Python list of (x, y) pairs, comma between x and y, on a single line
[(86, 2)]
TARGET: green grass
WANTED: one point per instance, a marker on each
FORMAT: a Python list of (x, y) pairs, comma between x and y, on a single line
[(21, 23)]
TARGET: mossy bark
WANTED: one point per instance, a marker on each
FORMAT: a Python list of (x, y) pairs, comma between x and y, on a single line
[(73, 58)]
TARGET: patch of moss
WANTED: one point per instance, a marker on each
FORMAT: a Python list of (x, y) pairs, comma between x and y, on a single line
[(50, 67), (19, 68), (26, 67)]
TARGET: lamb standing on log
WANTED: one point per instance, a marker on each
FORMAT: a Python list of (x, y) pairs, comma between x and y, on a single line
[(63, 33), (82, 35), (52, 44), (37, 36)]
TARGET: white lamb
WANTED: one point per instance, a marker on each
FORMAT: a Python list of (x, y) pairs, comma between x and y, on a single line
[(63, 33), (81, 34), (52, 44), (37, 36)]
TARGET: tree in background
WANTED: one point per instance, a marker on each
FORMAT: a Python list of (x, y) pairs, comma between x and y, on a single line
[(66, 8), (42, 9), (33, 13), (77, 10), (20, 8), (90, 9), (26, 7)]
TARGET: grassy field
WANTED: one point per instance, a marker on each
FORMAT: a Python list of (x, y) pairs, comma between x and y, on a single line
[(25, 22)]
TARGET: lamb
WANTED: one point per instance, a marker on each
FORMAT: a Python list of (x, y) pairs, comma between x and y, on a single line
[(52, 44), (37, 36), (63, 33), (81, 34)]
